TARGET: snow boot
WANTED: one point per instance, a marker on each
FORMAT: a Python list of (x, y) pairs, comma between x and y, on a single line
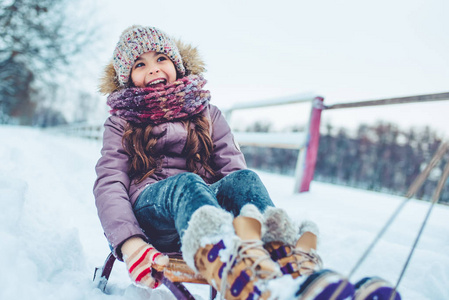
[(294, 260), (228, 254), (294, 249), (375, 288), (282, 242), (325, 285)]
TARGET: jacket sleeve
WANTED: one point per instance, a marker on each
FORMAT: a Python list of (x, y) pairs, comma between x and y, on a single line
[(111, 188), (227, 156)]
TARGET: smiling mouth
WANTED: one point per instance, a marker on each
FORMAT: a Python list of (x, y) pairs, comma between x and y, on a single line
[(155, 82)]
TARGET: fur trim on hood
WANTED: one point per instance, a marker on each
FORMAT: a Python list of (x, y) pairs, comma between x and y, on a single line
[(191, 60)]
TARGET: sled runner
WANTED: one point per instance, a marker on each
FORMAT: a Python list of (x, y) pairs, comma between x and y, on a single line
[(173, 277)]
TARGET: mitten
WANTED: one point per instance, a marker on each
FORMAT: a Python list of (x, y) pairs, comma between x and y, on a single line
[(140, 257)]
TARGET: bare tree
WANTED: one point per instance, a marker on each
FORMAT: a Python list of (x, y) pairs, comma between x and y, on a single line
[(38, 38)]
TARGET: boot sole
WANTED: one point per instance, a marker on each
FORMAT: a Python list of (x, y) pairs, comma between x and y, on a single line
[(375, 288), (323, 284)]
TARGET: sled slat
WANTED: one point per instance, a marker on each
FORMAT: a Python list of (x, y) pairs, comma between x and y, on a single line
[(178, 271), (172, 277)]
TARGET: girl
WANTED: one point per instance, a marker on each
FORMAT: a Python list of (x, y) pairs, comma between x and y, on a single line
[(171, 178)]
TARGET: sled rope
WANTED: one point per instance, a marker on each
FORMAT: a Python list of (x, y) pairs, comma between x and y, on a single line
[(414, 187), (435, 198)]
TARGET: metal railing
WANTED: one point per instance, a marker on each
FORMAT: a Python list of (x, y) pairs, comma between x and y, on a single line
[(389, 101), (90, 130), (306, 142)]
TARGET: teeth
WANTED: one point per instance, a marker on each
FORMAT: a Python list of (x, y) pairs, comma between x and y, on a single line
[(157, 81)]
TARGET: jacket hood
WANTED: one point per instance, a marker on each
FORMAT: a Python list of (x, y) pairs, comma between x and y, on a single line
[(191, 60)]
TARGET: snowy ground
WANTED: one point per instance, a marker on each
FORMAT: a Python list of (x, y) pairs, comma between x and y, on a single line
[(51, 239)]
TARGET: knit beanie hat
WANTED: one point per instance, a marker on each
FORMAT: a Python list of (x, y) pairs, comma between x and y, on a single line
[(137, 40)]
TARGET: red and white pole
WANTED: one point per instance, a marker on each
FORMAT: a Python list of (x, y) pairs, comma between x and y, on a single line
[(307, 167)]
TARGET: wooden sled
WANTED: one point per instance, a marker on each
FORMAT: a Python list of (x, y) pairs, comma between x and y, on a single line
[(173, 277)]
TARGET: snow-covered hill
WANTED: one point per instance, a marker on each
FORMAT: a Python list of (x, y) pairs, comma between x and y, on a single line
[(51, 239)]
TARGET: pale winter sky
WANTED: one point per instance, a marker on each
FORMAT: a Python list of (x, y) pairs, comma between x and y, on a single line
[(343, 50)]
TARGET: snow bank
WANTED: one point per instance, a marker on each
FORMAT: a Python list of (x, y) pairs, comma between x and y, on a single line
[(51, 239)]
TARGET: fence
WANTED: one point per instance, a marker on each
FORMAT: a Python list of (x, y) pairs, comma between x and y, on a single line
[(306, 142), (389, 101), (90, 130), (382, 157)]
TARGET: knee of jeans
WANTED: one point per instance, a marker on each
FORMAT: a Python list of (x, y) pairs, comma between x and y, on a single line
[(247, 175), (189, 178)]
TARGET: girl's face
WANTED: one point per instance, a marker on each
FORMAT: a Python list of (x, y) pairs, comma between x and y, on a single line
[(153, 69)]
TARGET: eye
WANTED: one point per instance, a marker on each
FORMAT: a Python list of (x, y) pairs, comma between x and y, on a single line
[(138, 65), (161, 58)]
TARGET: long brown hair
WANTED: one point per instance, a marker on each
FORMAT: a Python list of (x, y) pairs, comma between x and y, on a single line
[(139, 142)]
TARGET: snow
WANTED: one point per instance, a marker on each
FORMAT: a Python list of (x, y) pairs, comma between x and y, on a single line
[(51, 238)]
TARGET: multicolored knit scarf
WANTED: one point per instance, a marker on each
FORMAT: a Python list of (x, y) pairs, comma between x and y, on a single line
[(177, 101)]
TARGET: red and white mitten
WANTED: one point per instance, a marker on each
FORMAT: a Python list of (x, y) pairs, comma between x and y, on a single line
[(140, 257)]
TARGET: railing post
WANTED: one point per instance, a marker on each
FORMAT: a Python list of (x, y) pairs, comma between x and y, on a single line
[(305, 166)]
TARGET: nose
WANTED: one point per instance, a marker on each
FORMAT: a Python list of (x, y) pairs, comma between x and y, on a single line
[(153, 71)]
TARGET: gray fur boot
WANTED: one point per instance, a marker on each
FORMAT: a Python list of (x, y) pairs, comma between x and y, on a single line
[(217, 246), (283, 241)]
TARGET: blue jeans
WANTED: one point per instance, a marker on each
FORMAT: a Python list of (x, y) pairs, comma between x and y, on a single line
[(164, 208)]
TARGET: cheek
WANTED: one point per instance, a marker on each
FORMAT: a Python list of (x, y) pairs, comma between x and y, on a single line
[(173, 74), (136, 77)]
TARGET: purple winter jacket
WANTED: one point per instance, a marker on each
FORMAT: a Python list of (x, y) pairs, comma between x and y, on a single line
[(115, 192)]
